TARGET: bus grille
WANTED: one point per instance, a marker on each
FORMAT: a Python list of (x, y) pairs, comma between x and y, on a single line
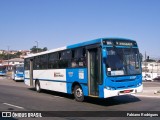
[(124, 87), (125, 80)]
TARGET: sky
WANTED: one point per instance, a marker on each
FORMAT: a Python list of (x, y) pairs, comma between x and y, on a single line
[(57, 23)]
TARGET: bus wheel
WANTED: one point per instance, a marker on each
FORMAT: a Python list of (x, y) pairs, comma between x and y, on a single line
[(78, 93), (37, 86)]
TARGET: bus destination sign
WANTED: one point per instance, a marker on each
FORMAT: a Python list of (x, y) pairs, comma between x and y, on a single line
[(119, 43), (123, 43)]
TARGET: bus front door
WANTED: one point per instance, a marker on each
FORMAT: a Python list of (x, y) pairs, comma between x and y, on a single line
[(93, 71)]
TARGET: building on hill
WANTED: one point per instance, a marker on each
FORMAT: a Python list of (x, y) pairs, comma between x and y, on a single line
[(11, 62)]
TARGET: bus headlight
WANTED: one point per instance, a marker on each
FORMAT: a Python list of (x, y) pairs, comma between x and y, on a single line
[(110, 88), (139, 84)]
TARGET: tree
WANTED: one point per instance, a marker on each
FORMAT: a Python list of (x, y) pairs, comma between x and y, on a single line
[(34, 49), (149, 60), (18, 54), (45, 49)]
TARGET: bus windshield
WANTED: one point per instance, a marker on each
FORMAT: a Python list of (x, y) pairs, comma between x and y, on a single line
[(2, 68), (122, 61), (19, 69)]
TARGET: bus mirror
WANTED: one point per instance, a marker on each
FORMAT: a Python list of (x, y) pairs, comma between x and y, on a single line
[(104, 53)]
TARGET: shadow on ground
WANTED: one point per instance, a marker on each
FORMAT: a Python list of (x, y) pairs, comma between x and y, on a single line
[(97, 101)]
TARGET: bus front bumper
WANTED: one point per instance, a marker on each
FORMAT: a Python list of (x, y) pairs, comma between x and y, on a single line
[(19, 78), (3, 74), (112, 93)]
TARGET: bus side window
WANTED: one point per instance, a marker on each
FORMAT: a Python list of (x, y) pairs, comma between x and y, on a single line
[(52, 60), (78, 57), (64, 59), (27, 64)]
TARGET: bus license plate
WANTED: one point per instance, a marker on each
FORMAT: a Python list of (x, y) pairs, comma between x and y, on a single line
[(127, 91)]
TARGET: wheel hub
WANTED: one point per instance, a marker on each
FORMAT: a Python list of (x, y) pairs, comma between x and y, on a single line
[(78, 92)]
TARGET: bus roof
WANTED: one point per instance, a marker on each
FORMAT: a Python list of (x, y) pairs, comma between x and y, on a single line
[(99, 40)]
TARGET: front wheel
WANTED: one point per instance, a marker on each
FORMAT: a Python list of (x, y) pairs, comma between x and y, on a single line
[(37, 86), (78, 93)]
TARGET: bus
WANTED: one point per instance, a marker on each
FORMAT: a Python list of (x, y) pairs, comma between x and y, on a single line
[(3, 70), (102, 68), (18, 72)]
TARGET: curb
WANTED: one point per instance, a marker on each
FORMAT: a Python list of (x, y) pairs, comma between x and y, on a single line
[(148, 96)]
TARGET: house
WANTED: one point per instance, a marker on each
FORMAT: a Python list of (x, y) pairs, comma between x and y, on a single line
[(2, 51), (11, 62), (150, 70), (151, 67)]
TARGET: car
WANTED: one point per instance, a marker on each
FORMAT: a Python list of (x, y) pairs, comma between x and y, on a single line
[(157, 78), (147, 78)]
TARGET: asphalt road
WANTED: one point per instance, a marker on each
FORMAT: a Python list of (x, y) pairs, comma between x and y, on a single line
[(16, 96)]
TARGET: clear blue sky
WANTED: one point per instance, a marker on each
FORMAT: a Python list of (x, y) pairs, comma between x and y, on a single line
[(56, 23)]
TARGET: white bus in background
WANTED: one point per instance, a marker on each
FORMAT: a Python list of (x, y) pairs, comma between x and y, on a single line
[(18, 72), (148, 76)]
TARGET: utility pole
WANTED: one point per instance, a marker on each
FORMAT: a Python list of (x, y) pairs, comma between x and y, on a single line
[(37, 45), (145, 64), (8, 57)]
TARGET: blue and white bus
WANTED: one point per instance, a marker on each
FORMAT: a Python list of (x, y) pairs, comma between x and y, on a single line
[(102, 68), (18, 72), (3, 70)]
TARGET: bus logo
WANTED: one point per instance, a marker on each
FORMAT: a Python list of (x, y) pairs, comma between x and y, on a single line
[(58, 74)]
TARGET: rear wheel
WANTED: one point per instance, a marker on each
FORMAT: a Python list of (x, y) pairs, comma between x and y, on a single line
[(78, 93), (37, 86)]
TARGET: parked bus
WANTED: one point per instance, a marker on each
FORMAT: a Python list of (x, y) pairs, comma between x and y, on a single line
[(102, 68), (3, 70), (18, 72)]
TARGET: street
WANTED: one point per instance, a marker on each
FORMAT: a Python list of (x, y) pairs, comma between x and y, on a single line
[(16, 96)]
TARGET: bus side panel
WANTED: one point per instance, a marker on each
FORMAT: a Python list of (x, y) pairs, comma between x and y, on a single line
[(84, 88), (53, 86), (78, 75), (53, 74), (54, 80), (101, 91)]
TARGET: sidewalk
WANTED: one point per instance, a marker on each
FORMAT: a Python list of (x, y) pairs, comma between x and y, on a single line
[(149, 92)]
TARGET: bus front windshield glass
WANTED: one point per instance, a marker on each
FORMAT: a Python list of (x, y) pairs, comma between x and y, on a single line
[(2, 68), (19, 69), (123, 61)]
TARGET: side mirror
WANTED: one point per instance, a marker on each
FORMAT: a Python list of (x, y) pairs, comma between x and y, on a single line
[(104, 55)]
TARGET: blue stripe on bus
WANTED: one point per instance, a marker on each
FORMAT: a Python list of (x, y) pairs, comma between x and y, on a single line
[(47, 80)]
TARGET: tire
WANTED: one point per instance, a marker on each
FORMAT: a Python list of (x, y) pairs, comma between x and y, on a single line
[(37, 86), (78, 93)]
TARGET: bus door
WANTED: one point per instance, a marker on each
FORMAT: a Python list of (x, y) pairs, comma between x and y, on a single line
[(31, 72), (93, 73)]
